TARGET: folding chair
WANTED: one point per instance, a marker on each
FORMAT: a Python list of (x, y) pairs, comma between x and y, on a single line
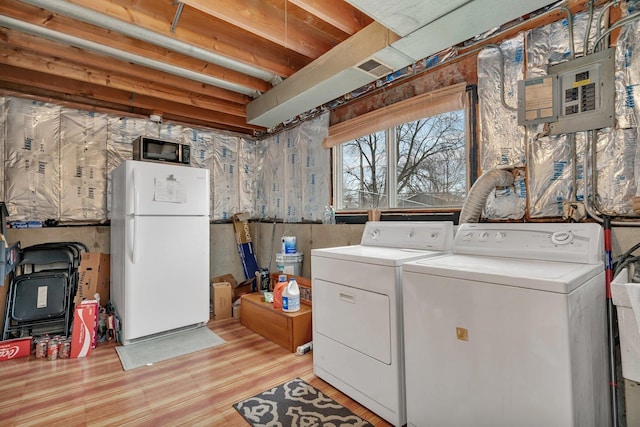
[(40, 294)]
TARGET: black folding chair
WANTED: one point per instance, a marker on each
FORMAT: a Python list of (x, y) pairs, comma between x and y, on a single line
[(41, 290)]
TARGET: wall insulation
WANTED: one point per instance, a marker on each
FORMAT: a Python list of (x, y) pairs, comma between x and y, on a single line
[(32, 167), (618, 184), (58, 163), (83, 149), (297, 189), (249, 168), (226, 178), (201, 141), (552, 178), (502, 138)]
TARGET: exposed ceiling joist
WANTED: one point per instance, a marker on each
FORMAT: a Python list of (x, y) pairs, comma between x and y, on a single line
[(198, 51), (335, 12), (270, 22), (316, 46)]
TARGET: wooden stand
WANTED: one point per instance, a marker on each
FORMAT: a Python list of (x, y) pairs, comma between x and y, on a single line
[(288, 330)]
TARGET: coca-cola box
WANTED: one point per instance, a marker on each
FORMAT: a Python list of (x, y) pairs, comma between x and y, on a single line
[(12, 349), (84, 319)]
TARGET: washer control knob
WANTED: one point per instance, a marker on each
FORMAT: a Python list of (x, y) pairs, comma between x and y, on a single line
[(500, 236), (484, 236), (467, 236), (433, 236), (562, 237)]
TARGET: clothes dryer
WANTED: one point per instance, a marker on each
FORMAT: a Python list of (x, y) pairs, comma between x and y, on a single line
[(510, 330), (357, 311)]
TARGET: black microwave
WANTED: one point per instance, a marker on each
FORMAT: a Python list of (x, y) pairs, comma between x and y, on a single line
[(158, 150)]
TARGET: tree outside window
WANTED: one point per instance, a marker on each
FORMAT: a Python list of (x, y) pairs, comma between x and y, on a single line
[(423, 161)]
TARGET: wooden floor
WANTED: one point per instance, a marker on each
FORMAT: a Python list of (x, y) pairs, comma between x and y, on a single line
[(193, 390)]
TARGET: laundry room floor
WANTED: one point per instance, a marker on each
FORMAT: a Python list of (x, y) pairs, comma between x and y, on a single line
[(198, 389)]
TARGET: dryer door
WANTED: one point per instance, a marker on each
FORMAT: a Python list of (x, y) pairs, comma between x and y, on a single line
[(356, 318)]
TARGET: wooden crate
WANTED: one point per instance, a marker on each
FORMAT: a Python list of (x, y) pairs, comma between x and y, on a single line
[(288, 330)]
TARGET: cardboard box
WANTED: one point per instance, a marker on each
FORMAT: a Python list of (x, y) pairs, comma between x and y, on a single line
[(235, 309), (248, 260), (221, 300), (94, 336), (241, 228), (225, 278), (94, 276), (84, 319), (12, 349), (239, 289), (245, 244)]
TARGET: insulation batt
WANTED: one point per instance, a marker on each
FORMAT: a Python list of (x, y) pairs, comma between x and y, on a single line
[(58, 163)]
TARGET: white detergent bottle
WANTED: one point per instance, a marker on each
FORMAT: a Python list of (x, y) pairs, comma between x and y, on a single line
[(291, 297)]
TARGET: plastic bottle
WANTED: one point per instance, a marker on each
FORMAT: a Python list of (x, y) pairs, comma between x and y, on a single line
[(329, 215), (291, 297), (278, 289), (289, 243)]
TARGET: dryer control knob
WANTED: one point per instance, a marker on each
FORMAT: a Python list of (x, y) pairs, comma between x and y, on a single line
[(433, 236), (562, 237), (500, 236), (467, 236), (374, 234)]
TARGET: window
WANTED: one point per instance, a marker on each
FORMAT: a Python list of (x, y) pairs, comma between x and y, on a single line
[(417, 165)]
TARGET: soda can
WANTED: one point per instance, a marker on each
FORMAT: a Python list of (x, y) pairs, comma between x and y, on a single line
[(41, 348), (64, 349), (52, 350)]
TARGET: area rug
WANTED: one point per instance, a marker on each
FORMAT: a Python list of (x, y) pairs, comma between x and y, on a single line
[(296, 404), (167, 347)]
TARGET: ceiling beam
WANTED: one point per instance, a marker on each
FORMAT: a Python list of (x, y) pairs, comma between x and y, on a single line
[(203, 31), (51, 65), (266, 21), (27, 42), (101, 36), (65, 100), (132, 102), (337, 13)]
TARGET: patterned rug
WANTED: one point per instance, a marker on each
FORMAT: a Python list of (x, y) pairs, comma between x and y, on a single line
[(296, 404)]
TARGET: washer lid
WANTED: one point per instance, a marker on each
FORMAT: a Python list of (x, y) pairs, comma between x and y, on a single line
[(392, 257), (560, 277)]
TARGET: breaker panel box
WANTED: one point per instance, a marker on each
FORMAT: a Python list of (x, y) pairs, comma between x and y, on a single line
[(575, 96)]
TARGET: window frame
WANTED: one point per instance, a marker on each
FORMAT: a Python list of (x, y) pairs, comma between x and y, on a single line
[(471, 152)]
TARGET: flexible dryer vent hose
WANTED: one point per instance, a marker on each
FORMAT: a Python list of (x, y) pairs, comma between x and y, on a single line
[(479, 192)]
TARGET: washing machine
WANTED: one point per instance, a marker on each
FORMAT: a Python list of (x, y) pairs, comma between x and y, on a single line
[(357, 311), (509, 330)]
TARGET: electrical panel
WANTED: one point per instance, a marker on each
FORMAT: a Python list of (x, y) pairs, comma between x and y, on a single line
[(575, 96)]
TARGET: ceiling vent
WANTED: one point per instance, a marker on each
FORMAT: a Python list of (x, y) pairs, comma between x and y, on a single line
[(375, 68)]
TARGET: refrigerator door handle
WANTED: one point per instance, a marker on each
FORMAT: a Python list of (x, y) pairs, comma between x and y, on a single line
[(136, 194), (134, 247), (132, 236)]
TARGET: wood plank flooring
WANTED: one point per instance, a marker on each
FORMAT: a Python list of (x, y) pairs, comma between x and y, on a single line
[(193, 390)]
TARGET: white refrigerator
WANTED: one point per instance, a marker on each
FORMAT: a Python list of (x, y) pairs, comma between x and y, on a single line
[(159, 248)]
